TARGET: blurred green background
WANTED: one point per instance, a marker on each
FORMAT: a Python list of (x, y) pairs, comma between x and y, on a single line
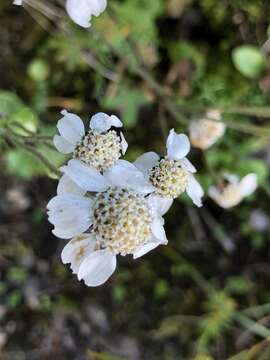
[(157, 64)]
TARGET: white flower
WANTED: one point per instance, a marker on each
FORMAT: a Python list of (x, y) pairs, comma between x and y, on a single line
[(205, 132), (232, 193), (81, 11), (173, 174), (100, 147), (120, 217)]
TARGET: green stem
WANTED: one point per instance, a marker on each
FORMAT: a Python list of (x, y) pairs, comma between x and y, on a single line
[(12, 138), (252, 325), (192, 271)]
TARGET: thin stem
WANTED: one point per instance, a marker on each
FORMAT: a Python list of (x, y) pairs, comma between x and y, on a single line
[(177, 258), (20, 144), (252, 325)]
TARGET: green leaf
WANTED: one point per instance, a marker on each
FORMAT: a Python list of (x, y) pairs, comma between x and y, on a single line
[(249, 60), (17, 274), (26, 118), (14, 109), (23, 165), (9, 102)]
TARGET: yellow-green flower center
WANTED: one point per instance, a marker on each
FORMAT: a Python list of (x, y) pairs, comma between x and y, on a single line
[(169, 178), (99, 150), (122, 220)]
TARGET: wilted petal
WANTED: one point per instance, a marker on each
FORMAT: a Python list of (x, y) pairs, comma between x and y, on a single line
[(205, 132), (71, 127), (77, 250), (62, 145), (146, 162), (96, 269), (194, 191), (126, 175), (102, 122), (86, 177), (248, 184), (178, 145), (68, 186)]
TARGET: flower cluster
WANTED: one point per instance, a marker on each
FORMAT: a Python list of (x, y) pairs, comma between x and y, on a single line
[(206, 131), (231, 191), (108, 206), (81, 11)]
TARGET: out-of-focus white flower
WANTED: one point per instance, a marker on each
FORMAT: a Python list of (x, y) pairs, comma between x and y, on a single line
[(81, 11), (232, 192), (173, 174), (119, 215), (205, 132), (100, 147)]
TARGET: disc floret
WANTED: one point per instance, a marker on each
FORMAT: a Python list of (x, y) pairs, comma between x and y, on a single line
[(100, 150), (122, 220), (169, 178)]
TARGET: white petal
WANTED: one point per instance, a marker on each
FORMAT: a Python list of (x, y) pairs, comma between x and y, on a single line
[(232, 178), (18, 2), (80, 11), (124, 143), (186, 165), (71, 127), (70, 214), (97, 267), (126, 175), (144, 249), (248, 184), (77, 250), (158, 229), (62, 145), (214, 192), (178, 145), (66, 200), (195, 191), (102, 122), (67, 186), (146, 162), (160, 204), (86, 177)]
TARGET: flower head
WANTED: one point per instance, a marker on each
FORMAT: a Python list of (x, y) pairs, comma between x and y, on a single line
[(116, 211), (81, 11), (207, 131), (173, 174), (100, 147), (232, 191)]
